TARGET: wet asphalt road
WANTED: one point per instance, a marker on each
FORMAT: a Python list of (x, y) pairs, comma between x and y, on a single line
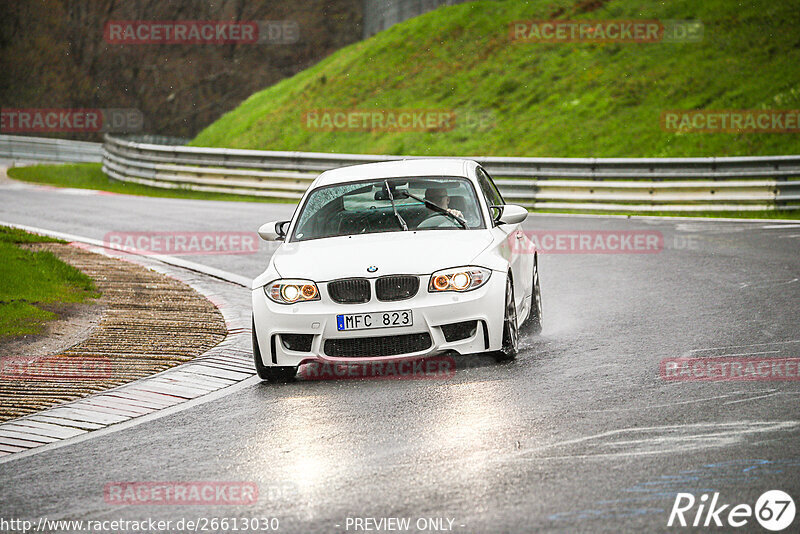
[(579, 434)]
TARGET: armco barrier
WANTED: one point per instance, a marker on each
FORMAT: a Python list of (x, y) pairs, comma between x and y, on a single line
[(603, 184), (23, 148), (612, 184)]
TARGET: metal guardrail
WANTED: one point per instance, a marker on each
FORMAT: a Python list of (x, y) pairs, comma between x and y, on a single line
[(21, 148), (608, 184), (611, 184)]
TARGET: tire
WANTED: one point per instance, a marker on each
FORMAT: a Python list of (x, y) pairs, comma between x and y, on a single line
[(533, 323), (270, 373), (508, 352)]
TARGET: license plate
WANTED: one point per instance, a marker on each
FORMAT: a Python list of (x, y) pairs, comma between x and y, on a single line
[(363, 321)]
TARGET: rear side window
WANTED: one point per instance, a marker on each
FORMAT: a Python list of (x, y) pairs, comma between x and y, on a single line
[(490, 191)]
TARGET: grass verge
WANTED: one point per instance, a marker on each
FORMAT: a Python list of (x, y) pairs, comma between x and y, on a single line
[(34, 285), (91, 176)]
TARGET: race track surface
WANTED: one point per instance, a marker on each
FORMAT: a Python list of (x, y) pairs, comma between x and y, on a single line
[(580, 433)]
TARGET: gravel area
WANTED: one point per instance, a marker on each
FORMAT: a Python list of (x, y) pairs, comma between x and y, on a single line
[(150, 322)]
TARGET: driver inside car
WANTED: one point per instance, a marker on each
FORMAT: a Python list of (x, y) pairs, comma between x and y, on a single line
[(439, 196)]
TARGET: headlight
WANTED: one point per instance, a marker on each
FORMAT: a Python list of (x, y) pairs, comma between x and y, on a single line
[(291, 291), (458, 279)]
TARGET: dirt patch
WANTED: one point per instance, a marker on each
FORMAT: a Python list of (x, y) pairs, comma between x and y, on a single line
[(75, 323), (144, 323), (587, 6), (582, 6)]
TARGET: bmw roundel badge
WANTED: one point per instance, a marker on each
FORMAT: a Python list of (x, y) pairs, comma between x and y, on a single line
[(372, 268)]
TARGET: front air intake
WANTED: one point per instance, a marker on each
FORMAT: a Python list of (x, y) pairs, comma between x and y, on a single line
[(297, 342), (368, 347), (458, 331)]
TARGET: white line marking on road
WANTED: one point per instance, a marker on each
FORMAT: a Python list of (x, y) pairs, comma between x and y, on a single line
[(667, 405), (752, 353), (764, 284), (747, 346), (752, 398), (669, 441)]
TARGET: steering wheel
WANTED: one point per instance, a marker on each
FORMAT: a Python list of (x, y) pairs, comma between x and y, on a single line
[(438, 220)]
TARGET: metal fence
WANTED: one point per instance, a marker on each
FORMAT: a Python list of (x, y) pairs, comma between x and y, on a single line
[(610, 184), (25, 149), (582, 184)]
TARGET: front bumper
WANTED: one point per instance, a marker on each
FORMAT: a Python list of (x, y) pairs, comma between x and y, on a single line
[(430, 312)]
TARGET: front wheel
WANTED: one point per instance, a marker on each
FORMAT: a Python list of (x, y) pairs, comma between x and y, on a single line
[(268, 372), (510, 330)]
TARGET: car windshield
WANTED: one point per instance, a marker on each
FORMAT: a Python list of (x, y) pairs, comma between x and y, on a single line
[(389, 205)]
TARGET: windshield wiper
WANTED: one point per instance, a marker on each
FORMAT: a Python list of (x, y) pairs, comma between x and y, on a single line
[(437, 208), (394, 208)]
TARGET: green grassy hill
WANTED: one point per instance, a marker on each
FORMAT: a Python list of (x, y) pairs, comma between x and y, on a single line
[(560, 99)]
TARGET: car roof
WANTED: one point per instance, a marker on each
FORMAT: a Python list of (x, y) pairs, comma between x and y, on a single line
[(393, 169)]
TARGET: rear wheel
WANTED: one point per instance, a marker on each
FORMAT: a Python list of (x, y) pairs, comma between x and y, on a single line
[(510, 330), (270, 373), (533, 323)]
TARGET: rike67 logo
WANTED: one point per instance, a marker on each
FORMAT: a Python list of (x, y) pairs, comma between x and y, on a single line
[(774, 510)]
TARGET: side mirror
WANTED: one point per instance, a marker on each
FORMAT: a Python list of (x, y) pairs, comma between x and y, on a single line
[(509, 214), (273, 231)]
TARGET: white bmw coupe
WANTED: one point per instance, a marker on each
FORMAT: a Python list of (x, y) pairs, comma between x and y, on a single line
[(394, 260)]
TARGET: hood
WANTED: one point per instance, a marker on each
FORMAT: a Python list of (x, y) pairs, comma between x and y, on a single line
[(393, 253)]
